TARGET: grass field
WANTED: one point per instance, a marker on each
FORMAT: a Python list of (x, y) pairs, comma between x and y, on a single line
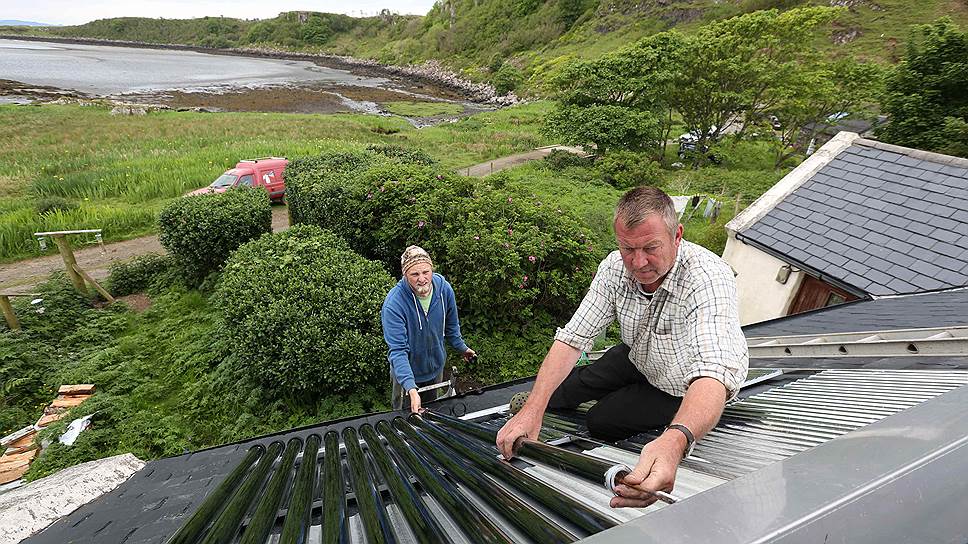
[(423, 109), (116, 172)]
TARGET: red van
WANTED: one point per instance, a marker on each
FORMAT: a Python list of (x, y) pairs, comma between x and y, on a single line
[(265, 172)]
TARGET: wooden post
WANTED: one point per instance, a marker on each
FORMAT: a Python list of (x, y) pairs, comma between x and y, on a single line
[(104, 293), (736, 207), (8, 313), (64, 247)]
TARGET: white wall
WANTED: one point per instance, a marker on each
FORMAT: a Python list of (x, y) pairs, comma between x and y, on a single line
[(761, 297)]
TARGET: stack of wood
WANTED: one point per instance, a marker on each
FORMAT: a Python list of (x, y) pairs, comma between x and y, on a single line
[(20, 446)]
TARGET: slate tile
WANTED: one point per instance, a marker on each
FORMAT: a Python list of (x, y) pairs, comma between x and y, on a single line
[(938, 198), (835, 247), (895, 198), (928, 283), (855, 198), (836, 223), (904, 273), (856, 179), (954, 250), (922, 254), (914, 192), (879, 277), (854, 214), (919, 216), (836, 259), (877, 263), (848, 156), (817, 228), (948, 262), (837, 193), (870, 172), (856, 244), (782, 247), (948, 224), (932, 166), (920, 240), (851, 167), (961, 216), (782, 216), (871, 162), (877, 239), (953, 278), (929, 176), (874, 194), (925, 268), (890, 177), (856, 231), (907, 161), (901, 286), (946, 236), (799, 254), (954, 171), (902, 260), (864, 151), (875, 215), (800, 223), (857, 268)]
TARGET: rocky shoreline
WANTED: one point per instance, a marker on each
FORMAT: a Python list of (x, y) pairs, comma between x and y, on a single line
[(430, 72)]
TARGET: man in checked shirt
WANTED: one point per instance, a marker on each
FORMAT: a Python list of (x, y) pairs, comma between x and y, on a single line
[(681, 357)]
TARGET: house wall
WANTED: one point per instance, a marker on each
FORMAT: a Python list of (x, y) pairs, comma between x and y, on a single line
[(761, 297)]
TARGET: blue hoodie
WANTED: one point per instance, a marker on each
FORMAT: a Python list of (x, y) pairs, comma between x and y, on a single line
[(416, 340)]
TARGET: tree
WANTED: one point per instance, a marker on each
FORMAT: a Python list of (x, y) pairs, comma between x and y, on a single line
[(926, 94), (620, 100), (738, 69), (819, 92)]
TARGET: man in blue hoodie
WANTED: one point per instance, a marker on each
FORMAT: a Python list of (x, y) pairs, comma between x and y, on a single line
[(418, 314)]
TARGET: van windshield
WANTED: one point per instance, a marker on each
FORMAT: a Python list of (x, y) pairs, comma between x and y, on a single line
[(225, 180)]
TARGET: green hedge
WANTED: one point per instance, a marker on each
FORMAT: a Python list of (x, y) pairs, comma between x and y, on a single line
[(302, 313), (200, 231), (509, 256), (138, 274)]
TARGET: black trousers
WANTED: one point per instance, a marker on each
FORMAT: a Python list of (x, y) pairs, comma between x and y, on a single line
[(627, 403)]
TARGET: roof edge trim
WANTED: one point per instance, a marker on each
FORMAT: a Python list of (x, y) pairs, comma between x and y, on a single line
[(929, 156), (792, 181)]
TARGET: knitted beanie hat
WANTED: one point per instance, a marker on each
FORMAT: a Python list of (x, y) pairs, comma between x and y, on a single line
[(414, 255)]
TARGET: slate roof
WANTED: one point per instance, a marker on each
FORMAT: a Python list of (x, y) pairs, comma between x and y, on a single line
[(877, 219), (941, 309)]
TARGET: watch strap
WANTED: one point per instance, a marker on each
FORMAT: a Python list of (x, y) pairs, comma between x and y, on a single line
[(690, 438)]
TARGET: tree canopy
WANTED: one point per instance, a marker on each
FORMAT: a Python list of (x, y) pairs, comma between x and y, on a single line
[(927, 93)]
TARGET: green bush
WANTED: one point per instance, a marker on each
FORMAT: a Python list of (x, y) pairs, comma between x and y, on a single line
[(509, 256), (402, 154), (200, 231), (55, 204), (302, 313), (137, 275), (559, 160), (507, 79), (625, 169)]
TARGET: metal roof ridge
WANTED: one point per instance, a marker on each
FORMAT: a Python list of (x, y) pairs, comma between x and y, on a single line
[(920, 154)]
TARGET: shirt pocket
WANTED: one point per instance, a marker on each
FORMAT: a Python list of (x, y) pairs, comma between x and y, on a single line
[(665, 353)]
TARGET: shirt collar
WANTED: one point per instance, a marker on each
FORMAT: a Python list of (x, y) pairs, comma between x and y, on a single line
[(670, 279)]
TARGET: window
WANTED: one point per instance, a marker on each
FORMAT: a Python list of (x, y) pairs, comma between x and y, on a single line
[(245, 181)]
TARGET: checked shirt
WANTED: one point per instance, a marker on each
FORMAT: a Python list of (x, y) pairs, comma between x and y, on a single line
[(689, 329)]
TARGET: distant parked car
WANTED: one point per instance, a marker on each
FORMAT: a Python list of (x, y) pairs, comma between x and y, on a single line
[(267, 172), (689, 142)]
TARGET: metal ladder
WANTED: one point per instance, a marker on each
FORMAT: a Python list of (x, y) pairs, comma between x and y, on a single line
[(934, 342)]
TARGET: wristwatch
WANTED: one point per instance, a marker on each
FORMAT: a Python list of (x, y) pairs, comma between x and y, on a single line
[(690, 438)]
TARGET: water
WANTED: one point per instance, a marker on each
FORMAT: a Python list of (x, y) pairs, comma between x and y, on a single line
[(105, 70)]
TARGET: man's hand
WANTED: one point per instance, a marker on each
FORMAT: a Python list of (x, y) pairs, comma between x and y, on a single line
[(526, 423), (414, 400), (655, 471), (469, 354)]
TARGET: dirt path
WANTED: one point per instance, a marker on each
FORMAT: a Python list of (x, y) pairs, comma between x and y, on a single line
[(24, 274), (489, 167)]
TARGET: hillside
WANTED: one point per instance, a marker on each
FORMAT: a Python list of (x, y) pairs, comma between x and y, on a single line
[(528, 38)]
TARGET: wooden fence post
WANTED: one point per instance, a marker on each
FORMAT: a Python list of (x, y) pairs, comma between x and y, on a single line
[(8, 313), (64, 247)]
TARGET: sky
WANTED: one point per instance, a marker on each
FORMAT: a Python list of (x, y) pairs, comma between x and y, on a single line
[(73, 12)]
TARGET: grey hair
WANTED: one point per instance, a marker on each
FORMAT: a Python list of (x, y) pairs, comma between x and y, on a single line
[(639, 203)]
